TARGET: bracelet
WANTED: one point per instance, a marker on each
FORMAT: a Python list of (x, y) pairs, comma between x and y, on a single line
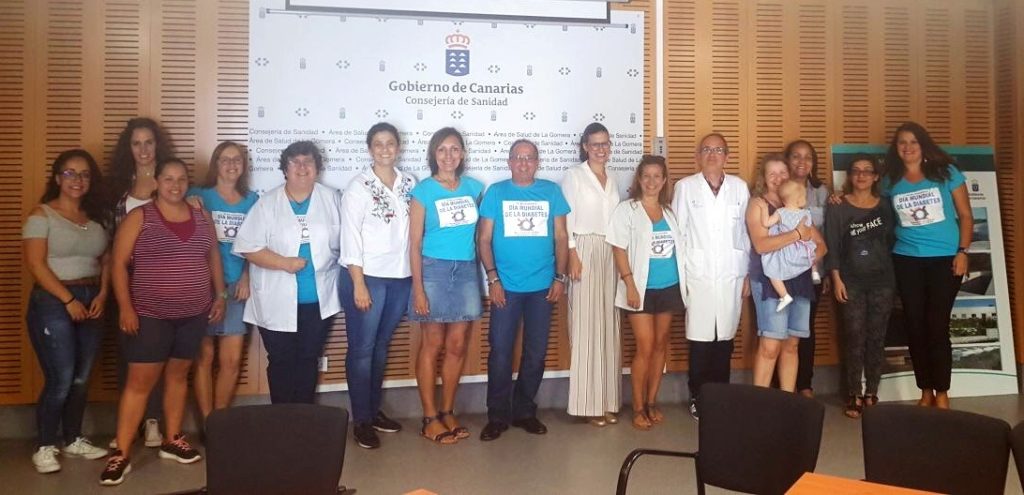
[(799, 236), (69, 301), (961, 250), (489, 270), (624, 275), (493, 281)]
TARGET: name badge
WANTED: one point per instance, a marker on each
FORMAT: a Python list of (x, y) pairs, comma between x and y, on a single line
[(662, 245), (455, 212), (919, 208), (525, 218), (227, 224), (303, 230)]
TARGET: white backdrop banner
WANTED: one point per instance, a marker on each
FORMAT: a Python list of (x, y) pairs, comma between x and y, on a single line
[(329, 77)]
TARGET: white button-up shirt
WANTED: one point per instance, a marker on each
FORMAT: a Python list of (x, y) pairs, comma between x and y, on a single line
[(271, 224), (375, 225), (631, 229), (590, 203), (717, 254)]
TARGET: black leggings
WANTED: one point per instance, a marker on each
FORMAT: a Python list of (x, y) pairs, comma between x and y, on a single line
[(927, 289), (865, 321)]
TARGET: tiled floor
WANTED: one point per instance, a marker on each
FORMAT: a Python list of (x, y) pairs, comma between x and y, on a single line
[(573, 458)]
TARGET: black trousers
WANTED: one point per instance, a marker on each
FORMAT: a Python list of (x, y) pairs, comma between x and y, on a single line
[(710, 362), (927, 290), (293, 357), (805, 352)]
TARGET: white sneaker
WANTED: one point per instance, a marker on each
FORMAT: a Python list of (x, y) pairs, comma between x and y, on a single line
[(783, 302), (152, 435), (113, 444), (82, 447), (815, 276), (45, 459)]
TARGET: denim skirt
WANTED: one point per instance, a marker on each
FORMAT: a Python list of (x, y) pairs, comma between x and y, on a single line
[(452, 289)]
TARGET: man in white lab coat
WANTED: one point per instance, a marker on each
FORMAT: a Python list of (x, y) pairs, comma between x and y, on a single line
[(711, 206)]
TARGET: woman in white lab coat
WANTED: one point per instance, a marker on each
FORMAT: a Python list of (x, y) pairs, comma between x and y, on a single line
[(595, 369), (646, 242), (291, 239)]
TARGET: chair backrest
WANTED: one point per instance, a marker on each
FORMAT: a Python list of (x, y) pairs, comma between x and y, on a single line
[(1017, 443), (275, 449), (935, 449), (755, 439)]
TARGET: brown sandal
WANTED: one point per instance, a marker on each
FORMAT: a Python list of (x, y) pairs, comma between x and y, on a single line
[(641, 421), (654, 414), (440, 438), (854, 406), (460, 432)]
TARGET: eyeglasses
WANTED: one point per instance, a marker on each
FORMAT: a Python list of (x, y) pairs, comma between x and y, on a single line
[(308, 163), (717, 150), (524, 158), (230, 161), (601, 146), (72, 175)]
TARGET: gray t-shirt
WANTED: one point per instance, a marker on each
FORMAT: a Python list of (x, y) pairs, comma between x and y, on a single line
[(72, 250)]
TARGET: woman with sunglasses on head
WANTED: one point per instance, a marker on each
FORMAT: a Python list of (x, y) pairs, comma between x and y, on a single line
[(65, 242), (226, 195), (859, 234), (595, 369)]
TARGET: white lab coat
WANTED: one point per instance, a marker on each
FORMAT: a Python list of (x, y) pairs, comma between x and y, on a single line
[(717, 254), (272, 224), (631, 229)]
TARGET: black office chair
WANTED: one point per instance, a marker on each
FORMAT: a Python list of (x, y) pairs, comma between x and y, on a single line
[(937, 450), (751, 439), (1017, 443), (275, 449)]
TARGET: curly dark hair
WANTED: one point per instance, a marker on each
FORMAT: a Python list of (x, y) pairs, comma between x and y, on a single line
[(122, 162), (93, 200)]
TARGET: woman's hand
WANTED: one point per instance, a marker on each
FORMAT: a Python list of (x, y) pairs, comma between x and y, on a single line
[(362, 297), (497, 293), (76, 310), (575, 265), (419, 302), (632, 296), (960, 264), (835, 198), (195, 202), (97, 306), (242, 289), (217, 310), (805, 231), (838, 287), (129, 321)]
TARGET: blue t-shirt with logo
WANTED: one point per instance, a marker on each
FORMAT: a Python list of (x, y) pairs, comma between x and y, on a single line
[(306, 277), (449, 230), (662, 271), (524, 232), (926, 222), (226, 220)]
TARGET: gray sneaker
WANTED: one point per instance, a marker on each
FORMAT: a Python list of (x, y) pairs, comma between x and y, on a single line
[(45, 459), (82, 447)]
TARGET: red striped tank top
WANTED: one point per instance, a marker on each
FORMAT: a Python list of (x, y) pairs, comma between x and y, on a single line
[(170, 277)]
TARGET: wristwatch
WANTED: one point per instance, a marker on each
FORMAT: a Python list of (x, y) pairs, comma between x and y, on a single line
[(561, 277), (493, 281), (961, 250)]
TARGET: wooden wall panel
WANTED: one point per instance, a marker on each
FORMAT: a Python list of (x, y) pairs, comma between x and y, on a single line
[(16, 358)]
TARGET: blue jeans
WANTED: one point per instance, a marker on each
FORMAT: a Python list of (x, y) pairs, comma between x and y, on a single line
[(293, 357), (505, 402), (369, 334), (66, 351), (793, 321)]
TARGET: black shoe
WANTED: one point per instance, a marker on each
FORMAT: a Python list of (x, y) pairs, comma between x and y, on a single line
[(531, 425), (365, 436), (117, 467), (693, 410), (385, 424), (179, 450), (493, 430)]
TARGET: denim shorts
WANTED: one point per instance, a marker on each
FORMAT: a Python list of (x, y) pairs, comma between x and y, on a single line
[(453, 291), (232, 323), (793, 321)]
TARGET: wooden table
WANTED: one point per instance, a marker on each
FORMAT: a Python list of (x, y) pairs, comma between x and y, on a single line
[(818, 484)]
